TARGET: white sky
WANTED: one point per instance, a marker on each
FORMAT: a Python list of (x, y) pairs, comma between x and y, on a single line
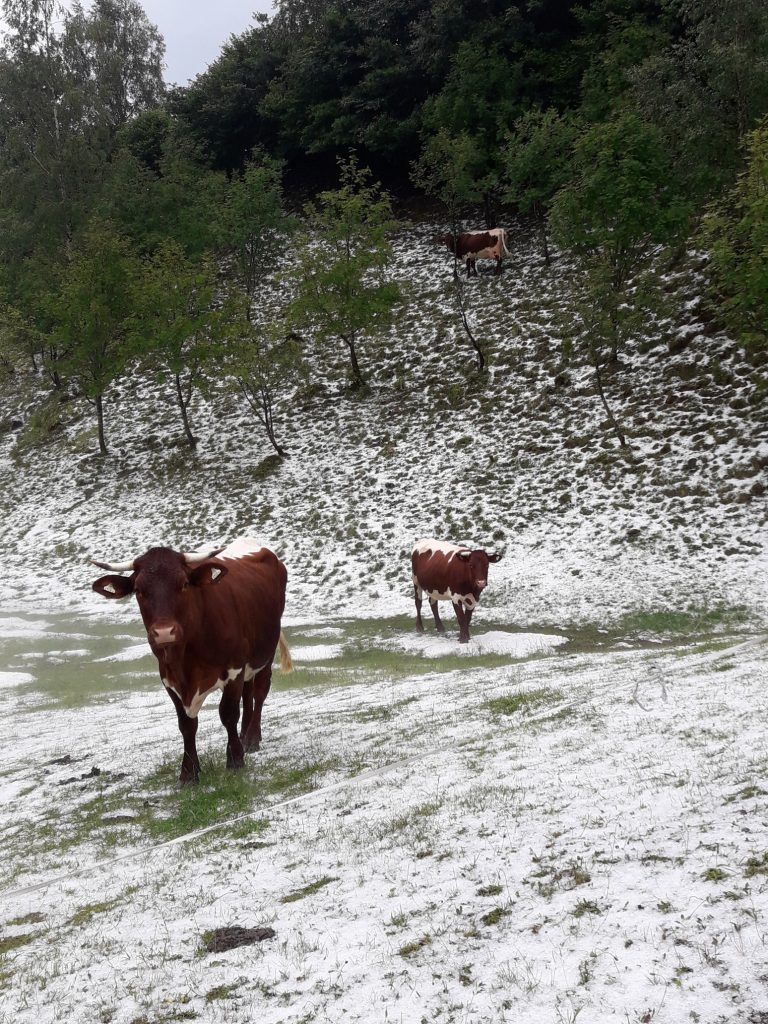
[(195, 30)]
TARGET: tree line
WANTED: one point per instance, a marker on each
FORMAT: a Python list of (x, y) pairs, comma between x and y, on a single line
[(139, 224)]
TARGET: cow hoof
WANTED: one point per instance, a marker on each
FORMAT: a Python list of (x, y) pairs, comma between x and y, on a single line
[(252, 747), (188, 780), (419, 628), (463, 639)]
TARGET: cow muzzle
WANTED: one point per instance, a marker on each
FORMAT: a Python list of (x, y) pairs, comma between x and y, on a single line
[(481, 584), (164, 635)]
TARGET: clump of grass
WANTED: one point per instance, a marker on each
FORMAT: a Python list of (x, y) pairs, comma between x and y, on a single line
[(586, 907), (86, 914), (489, 890), (493, 916), (714, 875), (515, 702), (413, 947), (220, 992), (307, 890), (757, 866)]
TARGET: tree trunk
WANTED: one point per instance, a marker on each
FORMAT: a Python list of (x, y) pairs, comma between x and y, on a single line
[(490, 214), (357, 377), (545, 240), (269, 422), (192, 441), (613, 421), (473, 341), (100, 421)]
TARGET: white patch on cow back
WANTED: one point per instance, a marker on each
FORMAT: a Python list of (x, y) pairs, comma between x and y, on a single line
[(433, 546), (241, 547)]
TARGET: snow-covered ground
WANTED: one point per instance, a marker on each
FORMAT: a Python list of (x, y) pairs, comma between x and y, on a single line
[(564, 820), (580, 835), (519, 459)]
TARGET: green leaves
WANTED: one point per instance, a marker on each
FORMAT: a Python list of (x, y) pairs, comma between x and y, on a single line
[(736, 232), (622, 198), (342, 291)]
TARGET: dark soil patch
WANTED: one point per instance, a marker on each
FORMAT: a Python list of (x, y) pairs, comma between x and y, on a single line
[(222, 939)]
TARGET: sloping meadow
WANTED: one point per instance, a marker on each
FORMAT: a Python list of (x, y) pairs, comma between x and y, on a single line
[(519, 458), (564, 820)]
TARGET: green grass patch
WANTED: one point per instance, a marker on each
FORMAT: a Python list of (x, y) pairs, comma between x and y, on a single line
[(413, 947), (757, 866), (584, 907), (308, 890), (87, 913), (493, 916), (34, 918), (490, 890), (384, 712), (524, 701), (714, 875), (692, 621), (213, 995), (10, 942)]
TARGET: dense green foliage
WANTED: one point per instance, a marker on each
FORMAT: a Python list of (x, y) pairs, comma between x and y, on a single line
[(618, 126)]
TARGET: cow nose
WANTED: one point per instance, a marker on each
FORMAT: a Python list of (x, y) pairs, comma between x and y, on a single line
[(161, 636), (482, 584)]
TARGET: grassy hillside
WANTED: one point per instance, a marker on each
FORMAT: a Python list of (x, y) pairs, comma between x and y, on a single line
[(520, 458)]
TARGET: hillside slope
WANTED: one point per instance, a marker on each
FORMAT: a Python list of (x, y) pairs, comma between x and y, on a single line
[(519, 459)]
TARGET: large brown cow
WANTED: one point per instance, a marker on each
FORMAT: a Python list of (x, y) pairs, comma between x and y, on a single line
[(483, 245), (213, 623), (449, 572)]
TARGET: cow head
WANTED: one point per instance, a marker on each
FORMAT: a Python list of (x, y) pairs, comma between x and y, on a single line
[(478, 562), (446, 240), (165, 584)]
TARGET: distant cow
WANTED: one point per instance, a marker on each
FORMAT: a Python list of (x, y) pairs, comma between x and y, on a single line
[(449, 572), (484, 245), (213, 623)]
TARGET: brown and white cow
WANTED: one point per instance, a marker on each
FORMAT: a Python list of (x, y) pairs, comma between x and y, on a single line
[(213, 623), (479, 245), (449, 572)]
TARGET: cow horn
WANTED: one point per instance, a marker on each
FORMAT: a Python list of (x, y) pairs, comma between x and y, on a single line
[(113, 567), (196, 557)]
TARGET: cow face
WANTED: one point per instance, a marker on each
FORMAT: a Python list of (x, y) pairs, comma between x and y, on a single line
[(165, 586), (477, 562)]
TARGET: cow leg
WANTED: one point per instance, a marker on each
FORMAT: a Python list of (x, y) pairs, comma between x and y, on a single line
[(469, 267), (438, 621), (190, 763), (247, 708), (229, 713), (463, 615), (261, 684), (417, 595), (498, 266)]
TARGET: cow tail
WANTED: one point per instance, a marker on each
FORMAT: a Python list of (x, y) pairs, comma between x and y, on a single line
[(504, 241), (286, 665)]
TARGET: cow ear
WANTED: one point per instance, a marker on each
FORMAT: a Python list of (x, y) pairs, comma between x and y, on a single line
[(494, 556), (464, 555), (113, 586), (207, 573)]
